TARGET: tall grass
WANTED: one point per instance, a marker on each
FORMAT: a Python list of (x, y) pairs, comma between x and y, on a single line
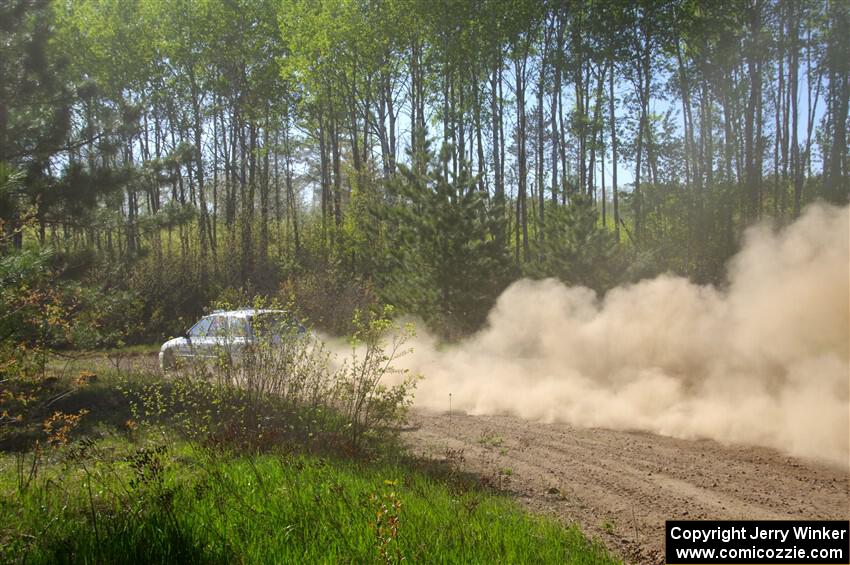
[(281, 458), (133, 504)]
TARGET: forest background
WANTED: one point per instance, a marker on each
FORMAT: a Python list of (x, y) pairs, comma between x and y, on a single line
[(159, 156)]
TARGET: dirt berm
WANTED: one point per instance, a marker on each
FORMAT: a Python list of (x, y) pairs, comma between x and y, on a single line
[(619, 486)]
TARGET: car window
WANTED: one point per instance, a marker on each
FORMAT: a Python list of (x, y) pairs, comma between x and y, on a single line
[(273, 324), (238, 327), (200, 329), (218, 327)]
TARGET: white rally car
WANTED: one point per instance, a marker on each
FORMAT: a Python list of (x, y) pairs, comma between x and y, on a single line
[(228, 333)]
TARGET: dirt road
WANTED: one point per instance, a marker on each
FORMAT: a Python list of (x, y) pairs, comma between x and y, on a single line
[(621, 486)]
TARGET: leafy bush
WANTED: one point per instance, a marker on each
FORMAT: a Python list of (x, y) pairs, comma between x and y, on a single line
[(329, 296), (368, 403), (290, 380), (42, 312), (173, 294)]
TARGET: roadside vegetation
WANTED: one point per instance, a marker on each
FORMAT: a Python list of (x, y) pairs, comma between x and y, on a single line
[(291, 456), (144, 501)]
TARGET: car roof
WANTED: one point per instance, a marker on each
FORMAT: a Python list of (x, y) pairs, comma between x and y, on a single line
[(245, 312)]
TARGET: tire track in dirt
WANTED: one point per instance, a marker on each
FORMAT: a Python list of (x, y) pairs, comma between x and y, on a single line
[(620, 487)]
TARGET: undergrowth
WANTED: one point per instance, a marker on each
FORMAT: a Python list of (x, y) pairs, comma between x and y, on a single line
[(287, 456), (143, 502)]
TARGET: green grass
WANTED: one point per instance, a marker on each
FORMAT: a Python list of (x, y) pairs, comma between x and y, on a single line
[(126, 359), (199, 482), (189, 505)]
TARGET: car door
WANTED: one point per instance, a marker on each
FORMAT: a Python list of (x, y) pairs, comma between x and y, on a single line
[(194, 337), (211, 344)]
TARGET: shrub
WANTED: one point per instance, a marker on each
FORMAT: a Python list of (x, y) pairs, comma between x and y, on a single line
[(287, 385), (329, 297), (369, 403)]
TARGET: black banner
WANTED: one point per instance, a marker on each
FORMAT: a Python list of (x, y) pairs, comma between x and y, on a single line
[(693, 542)]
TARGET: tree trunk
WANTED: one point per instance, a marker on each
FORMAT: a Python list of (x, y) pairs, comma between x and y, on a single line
[(796, 165), (613, 120), (291, 204), (540, 148), (337, 172), (595, 129), (264, 195), (838, 55), (522, 165), (499, 188)]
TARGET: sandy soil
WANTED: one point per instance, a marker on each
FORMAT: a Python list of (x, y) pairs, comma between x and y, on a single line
[(620, 487)]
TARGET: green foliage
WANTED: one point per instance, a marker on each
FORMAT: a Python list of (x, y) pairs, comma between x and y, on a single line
[(371, 403), (205, 145), (78, 191), (329, 296), (119, 502), (34, 98), (688, 233), (42, 311), (11, 197), (32, 311), (171, 297), (577, 249), (444, 262), (288, 385)]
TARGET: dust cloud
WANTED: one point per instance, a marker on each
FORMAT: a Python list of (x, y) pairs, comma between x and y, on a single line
[(763, 361)]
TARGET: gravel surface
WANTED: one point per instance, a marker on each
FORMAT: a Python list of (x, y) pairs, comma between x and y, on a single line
[(619, 486)]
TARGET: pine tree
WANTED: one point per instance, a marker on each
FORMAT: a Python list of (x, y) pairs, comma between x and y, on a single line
[(576, 249), (445, 262), (34, 104)]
